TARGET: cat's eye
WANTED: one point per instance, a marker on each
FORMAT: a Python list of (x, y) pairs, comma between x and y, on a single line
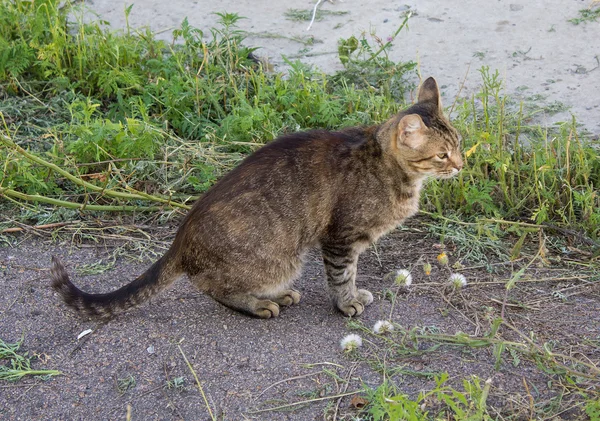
[(442, 155)]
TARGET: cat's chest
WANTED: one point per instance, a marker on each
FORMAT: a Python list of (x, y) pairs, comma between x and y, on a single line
[(395, 211)]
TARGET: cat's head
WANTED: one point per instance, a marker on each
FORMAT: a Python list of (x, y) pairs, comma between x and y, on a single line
[(423, 138)]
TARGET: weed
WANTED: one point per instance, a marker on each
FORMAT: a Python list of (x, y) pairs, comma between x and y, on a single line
[(383, 353), (586, 16), (299, 15), (519, 171), (125, 384), (136, 107), (442, 402), (592, 409), (18, 365), (177, 383), (367, 64), (130, 134)]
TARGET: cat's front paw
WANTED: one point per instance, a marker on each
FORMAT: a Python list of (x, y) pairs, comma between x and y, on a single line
[(364, 297), (356, 306)]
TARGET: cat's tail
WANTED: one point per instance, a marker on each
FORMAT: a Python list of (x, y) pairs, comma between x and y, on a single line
[(158, 276)]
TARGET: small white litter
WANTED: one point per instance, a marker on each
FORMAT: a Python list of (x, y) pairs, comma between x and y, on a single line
[(85, 332)]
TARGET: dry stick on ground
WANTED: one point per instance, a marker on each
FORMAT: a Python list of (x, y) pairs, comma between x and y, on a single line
[(286, 380), (553, 355), (531, 401), (289, 405), (71, 205), (314, 14), (521, 281), (344, 390), (25, 227), (212, 417), (518, 275)]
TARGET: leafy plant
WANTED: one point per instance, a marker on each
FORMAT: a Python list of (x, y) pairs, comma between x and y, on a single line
[(590, 14), (126, 383), (443, 402), (18, 365)]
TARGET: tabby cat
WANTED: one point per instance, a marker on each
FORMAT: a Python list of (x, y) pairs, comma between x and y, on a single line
[(244, 241)]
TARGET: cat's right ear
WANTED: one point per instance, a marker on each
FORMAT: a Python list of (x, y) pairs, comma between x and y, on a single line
[(429, 92), (411, 131)]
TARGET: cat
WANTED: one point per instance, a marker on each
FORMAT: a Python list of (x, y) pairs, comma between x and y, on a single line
[(244, 240)]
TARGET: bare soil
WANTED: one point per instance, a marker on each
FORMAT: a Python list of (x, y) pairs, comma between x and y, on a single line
[(247, 365)]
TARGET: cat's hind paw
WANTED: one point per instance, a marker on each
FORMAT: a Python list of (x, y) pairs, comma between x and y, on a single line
[(288, 297), (266, 309)]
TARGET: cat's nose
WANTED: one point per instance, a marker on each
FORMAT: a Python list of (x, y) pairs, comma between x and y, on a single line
[(458, 164)]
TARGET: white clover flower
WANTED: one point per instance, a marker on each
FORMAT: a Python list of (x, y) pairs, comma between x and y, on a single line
[(351, 342), (403, 277), (457, 280), (383, 326)]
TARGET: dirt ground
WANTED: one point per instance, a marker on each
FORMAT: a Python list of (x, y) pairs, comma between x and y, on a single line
[(247, 365)]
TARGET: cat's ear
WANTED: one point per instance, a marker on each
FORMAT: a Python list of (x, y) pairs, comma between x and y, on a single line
[(429, 92), (411, 131)]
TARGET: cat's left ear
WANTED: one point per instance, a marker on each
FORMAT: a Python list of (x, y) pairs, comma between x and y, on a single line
[(429, 92), (411, 131)]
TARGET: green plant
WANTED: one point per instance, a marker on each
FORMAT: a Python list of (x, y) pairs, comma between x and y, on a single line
[(306, 15), (177, 383), (592, 409), (590, 14), (125, 384), (367, 64), (386, 403), (443, 402), (18, 365), (516, 171), (126, 119), (134, 119)]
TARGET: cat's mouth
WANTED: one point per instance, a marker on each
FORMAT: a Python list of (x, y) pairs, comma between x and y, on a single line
[(447, 174)]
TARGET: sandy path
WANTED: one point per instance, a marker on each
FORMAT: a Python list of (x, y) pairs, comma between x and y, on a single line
[(532, 44)]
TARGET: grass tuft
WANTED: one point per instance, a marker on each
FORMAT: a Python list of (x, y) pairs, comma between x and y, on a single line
[(17, 365)]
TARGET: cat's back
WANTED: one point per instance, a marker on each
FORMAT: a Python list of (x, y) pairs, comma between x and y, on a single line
[(292, 164), (281, 197)]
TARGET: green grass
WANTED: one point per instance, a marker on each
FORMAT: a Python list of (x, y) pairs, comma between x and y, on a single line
[(299, 15), (17, 365), (97, 120), (591, 14), (125, 384), (122, 113)]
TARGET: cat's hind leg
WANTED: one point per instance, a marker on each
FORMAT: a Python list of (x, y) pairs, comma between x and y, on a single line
[(340, 267)]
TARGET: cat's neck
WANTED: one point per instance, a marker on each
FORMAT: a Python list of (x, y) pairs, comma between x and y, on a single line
[(384, 135)]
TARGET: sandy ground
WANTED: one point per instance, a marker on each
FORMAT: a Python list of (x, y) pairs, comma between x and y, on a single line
[(530, 42)]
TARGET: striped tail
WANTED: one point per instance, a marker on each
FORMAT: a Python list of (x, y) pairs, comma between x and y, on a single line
[(156, 278)]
